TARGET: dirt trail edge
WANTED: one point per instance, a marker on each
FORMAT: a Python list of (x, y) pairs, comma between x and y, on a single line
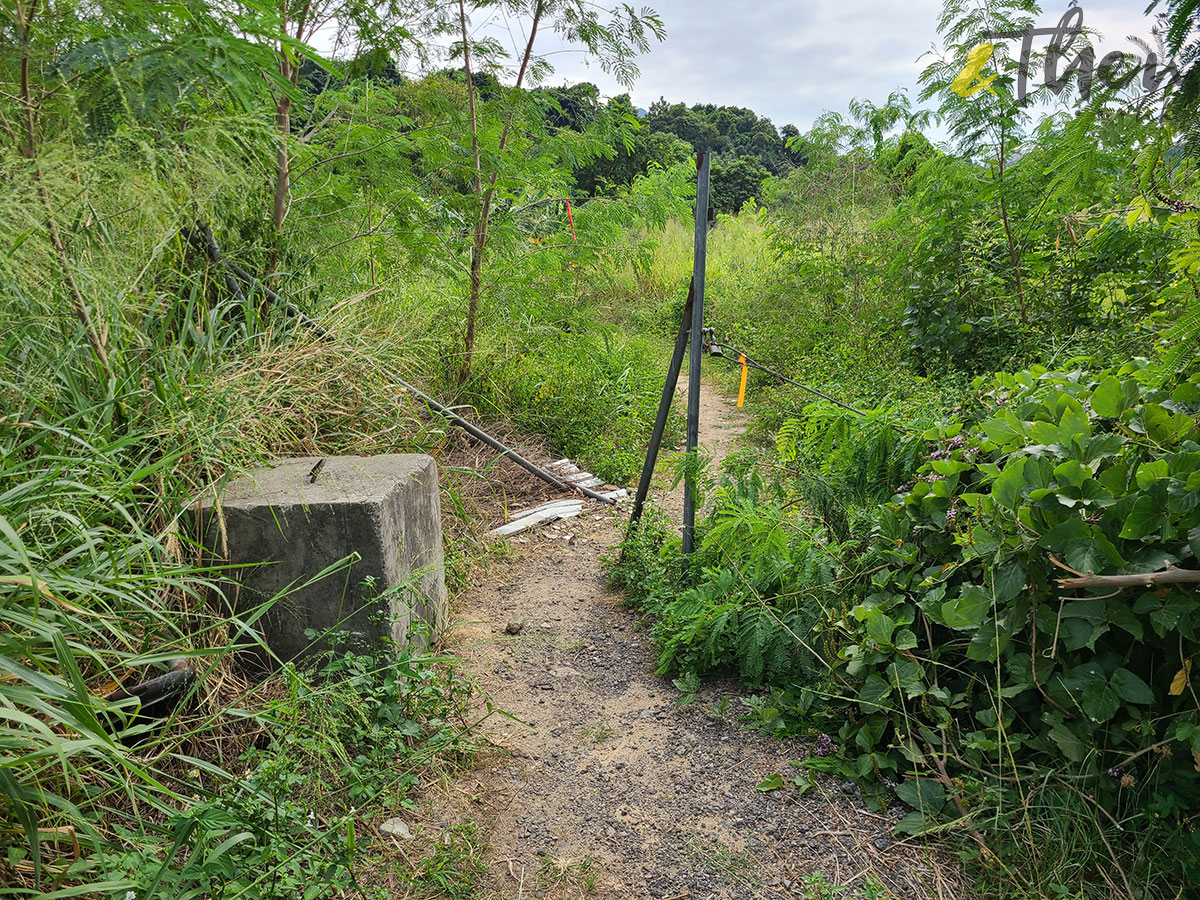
[(606, 787)]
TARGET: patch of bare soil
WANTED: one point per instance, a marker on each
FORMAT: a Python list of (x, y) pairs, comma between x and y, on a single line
[(601, 785)]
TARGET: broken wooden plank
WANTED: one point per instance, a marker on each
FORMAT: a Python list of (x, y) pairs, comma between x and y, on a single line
[(539, 517), (521, 513)]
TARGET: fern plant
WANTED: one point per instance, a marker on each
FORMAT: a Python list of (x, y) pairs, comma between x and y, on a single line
[(750, 599), (844, 463)]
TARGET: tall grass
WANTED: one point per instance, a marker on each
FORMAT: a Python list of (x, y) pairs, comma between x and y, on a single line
[(101, 583)]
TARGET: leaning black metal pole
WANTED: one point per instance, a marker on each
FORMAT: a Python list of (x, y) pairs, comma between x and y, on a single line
[(693, 408), (664, 407)]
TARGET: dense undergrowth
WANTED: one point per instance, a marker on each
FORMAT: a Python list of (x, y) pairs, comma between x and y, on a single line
[(897, 582)]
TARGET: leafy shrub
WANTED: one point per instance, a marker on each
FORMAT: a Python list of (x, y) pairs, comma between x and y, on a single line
[(966, 649), (744, 596), (844, 463), (354, 729), (586, 388)]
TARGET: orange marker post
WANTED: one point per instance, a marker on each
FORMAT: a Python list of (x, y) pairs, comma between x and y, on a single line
[(742, 386)]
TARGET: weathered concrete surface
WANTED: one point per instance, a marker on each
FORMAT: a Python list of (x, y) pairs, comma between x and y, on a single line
[(384, 508)]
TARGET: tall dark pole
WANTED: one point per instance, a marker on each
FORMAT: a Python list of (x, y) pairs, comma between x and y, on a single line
[(693, 407)]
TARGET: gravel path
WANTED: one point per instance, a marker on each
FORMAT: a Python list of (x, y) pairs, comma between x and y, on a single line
[(601, 785)]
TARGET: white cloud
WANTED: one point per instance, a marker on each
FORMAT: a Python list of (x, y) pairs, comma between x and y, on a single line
[(790, 61)]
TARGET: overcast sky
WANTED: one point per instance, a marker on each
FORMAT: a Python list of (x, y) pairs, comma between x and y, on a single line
[(789, 61)]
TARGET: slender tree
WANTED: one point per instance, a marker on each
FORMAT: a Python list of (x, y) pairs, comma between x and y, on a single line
[(614, 37)]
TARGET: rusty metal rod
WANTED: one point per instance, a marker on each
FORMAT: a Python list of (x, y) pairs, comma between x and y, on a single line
[(699, 252), (452, 417)]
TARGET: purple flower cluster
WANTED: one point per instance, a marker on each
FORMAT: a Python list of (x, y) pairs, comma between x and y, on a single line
[(957, 442), (824, 745), (940, 454), (1114, 772), (951, 516), (937, 476)]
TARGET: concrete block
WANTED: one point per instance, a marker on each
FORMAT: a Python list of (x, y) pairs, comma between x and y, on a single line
[(284, 528)]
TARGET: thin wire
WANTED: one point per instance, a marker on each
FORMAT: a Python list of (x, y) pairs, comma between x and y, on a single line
[(734, 355)]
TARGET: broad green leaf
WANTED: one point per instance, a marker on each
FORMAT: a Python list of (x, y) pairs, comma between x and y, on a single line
[(771, 783), (1150, 472), (969, 609), (1007, 488), (905, 639), (988, 642), (873, 693), (914, 823), (1071, 472), (1123, 616), (1099, 703), (1147, 517), (949, 466), (1068, 742), (1130, 688), (1008, 580), (880, 626), (1102, 446), (922, 794), (1091, 553), (1161, 426), (1108, 399), (1057, 537), (1115, 476)]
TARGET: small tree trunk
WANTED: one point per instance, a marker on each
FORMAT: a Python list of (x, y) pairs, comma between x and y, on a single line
[(283, 124), (279, 194), (25, 31), (479, 244), (95, 340)]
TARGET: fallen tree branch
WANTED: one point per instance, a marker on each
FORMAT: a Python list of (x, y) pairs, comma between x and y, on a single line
[(1170, 575)]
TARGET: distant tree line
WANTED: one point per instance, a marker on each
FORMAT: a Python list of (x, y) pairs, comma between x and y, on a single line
[(747, 147)]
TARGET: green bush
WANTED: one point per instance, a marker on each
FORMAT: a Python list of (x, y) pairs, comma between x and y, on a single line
[(739, 602), (967, 651)]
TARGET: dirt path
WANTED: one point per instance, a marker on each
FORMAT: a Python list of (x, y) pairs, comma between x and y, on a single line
[(606, 787)]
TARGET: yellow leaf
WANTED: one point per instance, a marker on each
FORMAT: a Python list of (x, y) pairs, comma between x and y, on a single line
[(1179, 682)]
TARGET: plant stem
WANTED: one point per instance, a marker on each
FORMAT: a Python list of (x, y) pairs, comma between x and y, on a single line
[(479, 243), (1013, 255), (25, 32), (25, 29), (77, 300)]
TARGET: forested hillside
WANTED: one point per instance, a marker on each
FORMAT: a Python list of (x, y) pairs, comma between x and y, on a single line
[(969, 586)]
